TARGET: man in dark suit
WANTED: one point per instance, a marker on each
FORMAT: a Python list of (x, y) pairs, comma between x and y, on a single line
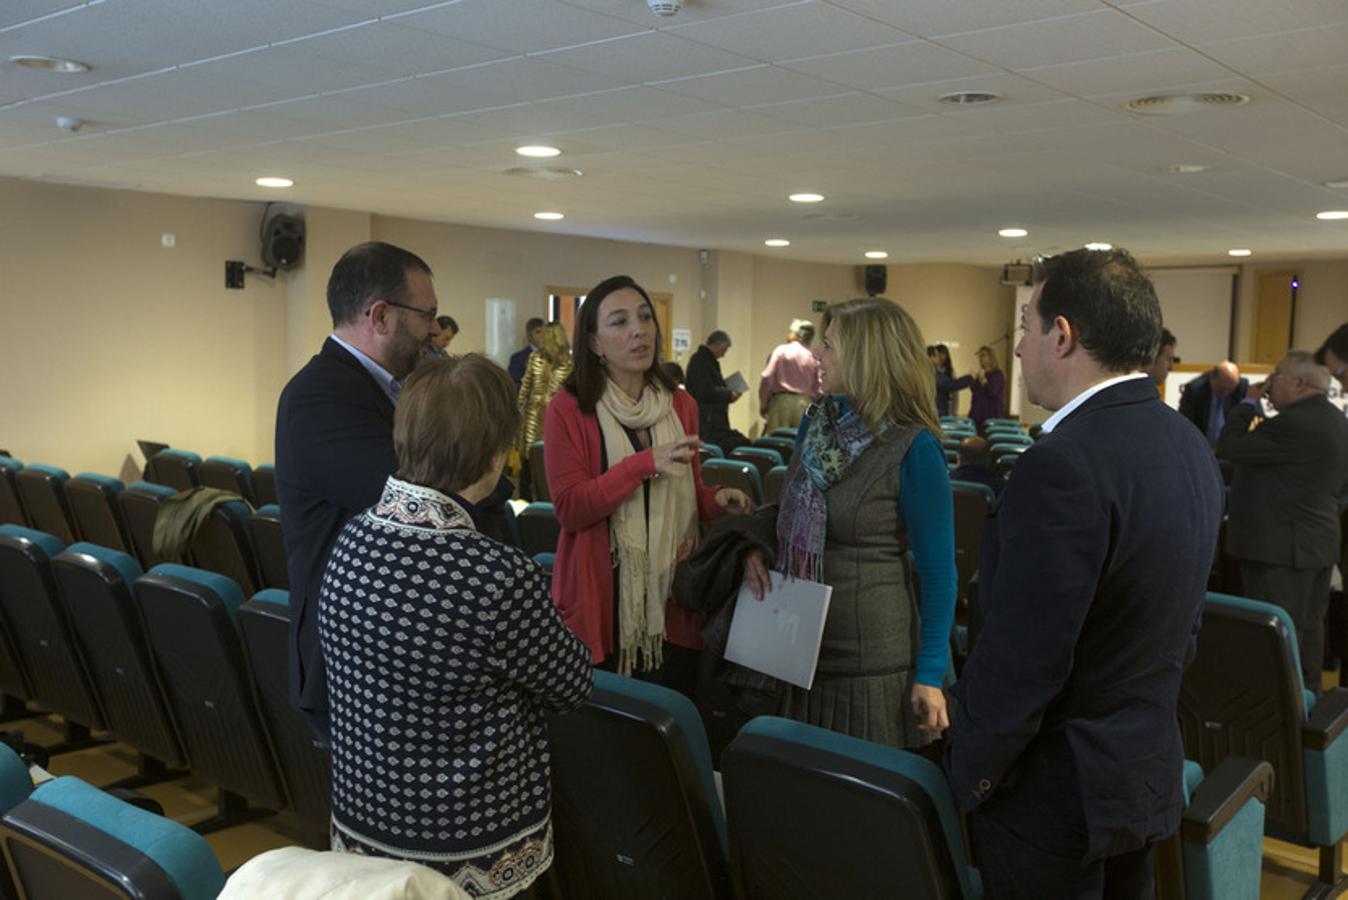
[(334, 432), (1288, 492), (712, 395), (1208, 399), (1064, 746), (519, 360)]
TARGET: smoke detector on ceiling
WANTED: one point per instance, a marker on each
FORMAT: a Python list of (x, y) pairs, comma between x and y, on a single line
[(665, 7), (1178, 104)]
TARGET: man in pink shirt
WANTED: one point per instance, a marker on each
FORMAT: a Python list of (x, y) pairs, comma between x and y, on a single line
[(791, 380)]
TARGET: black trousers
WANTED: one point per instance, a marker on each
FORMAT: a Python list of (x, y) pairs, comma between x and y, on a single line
[(1304, 593)]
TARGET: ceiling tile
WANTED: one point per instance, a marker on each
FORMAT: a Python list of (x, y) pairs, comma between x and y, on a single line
[(520, 26), (1013, 89), (647, 57), (1206, 21), (842, 109), (727, 124), (432, 95), (750, 87), (915, 62), (1309, 85), (1140, 73), (934, 17), (523, 79), (693, 12), (21, 11), (397, 50), (296, 71), (635, 104), (791, 32), (1093, 35), (1285, 52)]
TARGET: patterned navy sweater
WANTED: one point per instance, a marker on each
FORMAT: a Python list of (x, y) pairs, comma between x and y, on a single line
[(443, 649)]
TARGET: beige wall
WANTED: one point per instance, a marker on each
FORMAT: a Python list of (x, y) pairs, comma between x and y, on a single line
[(1321, 305)]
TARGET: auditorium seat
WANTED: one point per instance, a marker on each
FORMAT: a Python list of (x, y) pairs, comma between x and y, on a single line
[(98, 518), (538, 528), (1218, 850), (1017, 439), (815, 813), (264, 622), (39, 629), (96, 587), (264, 526), (174, 468), (222, 545), (228, 474), (996, 421), (783, 445), (762, 458), (710, 451), (952, 457), (1003, 448), (1243, 696), (538, 473), (1004, 463), (264, 485), (785, 432), (635, 809), (72, 840), (140, 504), (546, 560), (973, 502), (11, 506), (43, 489), (736, 473), (189, 617), (774, 483)]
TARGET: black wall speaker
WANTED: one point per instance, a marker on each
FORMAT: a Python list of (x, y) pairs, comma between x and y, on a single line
[(283, 241), (876, 278)]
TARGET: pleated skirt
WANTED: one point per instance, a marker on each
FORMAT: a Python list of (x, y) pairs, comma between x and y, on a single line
[(871, 707)]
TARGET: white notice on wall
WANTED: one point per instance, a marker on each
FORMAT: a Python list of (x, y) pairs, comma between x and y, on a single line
[(780, 634), (682, 339)]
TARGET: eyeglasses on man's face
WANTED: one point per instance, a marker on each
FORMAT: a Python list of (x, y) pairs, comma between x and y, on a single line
[(428, 314)]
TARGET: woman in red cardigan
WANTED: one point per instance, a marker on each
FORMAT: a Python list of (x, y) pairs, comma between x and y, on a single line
[(620, 445)]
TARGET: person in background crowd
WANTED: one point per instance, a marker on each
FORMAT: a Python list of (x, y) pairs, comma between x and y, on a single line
[(790, 382), (436, 720), (867, 485), (448, 330), (549, 367), (1208, 399), (946, 382), (519, 360), (1333, 355), (1164, 363), (988, 389), (713, 397), (1065, 747), (975, 464), (621, 445)]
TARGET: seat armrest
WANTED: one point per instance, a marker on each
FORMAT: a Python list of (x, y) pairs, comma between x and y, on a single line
[(1327, 720), (137, 799), (1223, 794)]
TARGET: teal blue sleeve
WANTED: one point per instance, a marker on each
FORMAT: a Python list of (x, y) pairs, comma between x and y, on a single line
[(928, 509)]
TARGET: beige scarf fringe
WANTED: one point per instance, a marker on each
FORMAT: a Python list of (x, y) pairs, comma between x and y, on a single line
[(646, 547)]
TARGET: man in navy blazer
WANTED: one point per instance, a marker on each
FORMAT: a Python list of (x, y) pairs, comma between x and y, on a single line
[(1064, 746), (519, 360)]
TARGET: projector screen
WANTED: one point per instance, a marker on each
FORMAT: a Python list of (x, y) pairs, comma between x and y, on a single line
[(1196, 306)]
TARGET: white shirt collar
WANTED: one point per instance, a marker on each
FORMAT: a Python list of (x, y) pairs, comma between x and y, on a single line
[(387, 383), (1085, 395)]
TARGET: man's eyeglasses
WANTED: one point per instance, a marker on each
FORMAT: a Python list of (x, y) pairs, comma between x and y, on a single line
[(428, 314)]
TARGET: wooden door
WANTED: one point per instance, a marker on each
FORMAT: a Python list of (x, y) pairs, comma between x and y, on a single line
[(664, 305), (1274, 316)]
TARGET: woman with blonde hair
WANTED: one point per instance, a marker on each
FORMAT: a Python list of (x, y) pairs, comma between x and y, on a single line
[(988, 389), (548, 367), (867, 487)]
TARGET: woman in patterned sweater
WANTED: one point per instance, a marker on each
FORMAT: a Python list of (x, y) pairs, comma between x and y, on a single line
[(443, 649)]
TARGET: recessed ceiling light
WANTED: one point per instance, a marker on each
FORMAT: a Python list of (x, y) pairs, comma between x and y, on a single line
[(50, 63), (777, 242), (1333, 214), (1178, 103), (1337, 183), (1187, 168), (969, 98), (1238, 252), (1013, 232), (1099, 245), (876, 254), (273, 181), (806, 198), (548, 216), (538, 151), (543, 173)]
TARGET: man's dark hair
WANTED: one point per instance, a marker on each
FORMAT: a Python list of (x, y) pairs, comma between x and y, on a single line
[(805, 334), (1167, 340), (366, 273), (975, 451), (1337, 342), (533, 323), (588, 379), (447, 323), (716, 337), (1109, 302)]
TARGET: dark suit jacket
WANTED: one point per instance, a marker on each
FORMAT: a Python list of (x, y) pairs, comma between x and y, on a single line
[(1092, 570), (708, 388), (519, 362), (334, 451), (1196, 399), (1290, 484)]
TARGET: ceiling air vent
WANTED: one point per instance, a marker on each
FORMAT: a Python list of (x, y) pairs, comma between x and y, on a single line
[(969, 98), (543, 173), (1177, 104)]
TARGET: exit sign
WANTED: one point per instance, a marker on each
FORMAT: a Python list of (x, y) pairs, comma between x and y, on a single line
[(818, 305)]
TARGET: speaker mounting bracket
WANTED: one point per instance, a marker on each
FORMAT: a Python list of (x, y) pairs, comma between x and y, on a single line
[(235, 269)]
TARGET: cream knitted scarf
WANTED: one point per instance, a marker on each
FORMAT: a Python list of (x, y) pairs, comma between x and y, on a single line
[(646, 546)]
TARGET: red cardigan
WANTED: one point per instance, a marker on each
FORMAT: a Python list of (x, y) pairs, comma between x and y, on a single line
[(582, 574)]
